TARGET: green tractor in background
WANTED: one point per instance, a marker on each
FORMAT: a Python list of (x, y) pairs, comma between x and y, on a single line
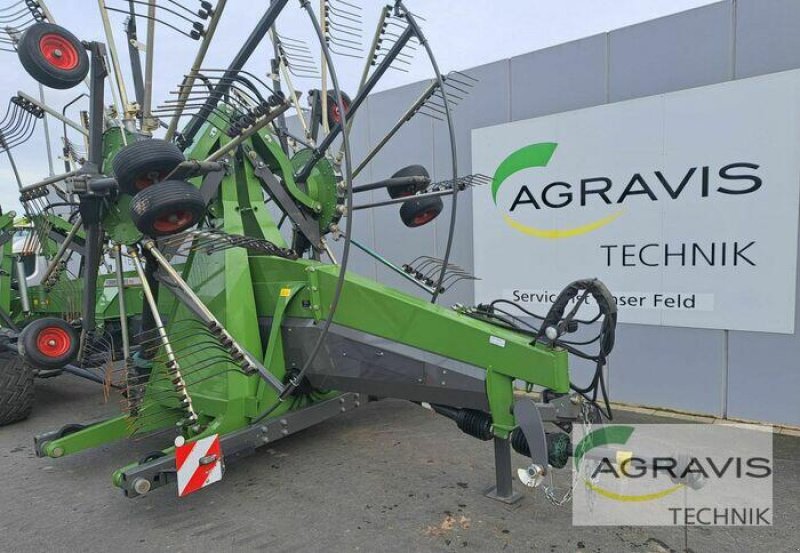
[(40, 311)]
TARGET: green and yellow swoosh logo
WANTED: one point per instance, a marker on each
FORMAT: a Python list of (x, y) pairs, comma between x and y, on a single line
[(613, 435), (531, 156)]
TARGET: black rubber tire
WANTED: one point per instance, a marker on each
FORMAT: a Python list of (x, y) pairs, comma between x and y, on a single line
[(421, 211), (408, 190), (145, 163), (333, 107), (30, 351), (16, 388), (31, 54), (167, 208)]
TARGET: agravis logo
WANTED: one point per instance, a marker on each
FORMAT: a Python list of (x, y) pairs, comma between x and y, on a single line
[(612, 193), (539, 155), (629, 474), (614, 435)]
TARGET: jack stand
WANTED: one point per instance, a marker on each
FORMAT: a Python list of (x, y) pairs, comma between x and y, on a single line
[(503, 490)]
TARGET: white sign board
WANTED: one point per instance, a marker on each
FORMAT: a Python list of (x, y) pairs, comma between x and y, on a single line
[(684, 204)]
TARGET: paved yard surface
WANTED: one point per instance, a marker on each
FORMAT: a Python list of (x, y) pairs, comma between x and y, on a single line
[(389, 477)]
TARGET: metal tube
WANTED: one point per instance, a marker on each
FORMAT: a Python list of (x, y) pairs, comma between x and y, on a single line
[(393, 181), (247, 49), (175, 277), (54, 113), (96, 105), (13, 163), (378, 257), (123, 313), (133, 55), (62, 249), (328, 251), (172, 361), (402, 121), (22, 285), (275, 68), (112, 50), (198, 62), (50, 180), (502, 465), (91, 260), (47, 135), (83, 373), (374, 46), (294, 99), (402, 200), (147, 114), (324, 69)]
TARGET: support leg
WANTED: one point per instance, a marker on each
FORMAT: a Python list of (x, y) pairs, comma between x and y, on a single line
[(503, 490)]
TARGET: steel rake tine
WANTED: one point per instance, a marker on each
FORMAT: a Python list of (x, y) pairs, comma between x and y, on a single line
[(160, 394), (12, 6), (462, 78)]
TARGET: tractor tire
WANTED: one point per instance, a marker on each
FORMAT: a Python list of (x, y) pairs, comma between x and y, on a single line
[(167, 208), (145, 163), (16, 388), (48, 343), (408, 190), (53, 56), (421, 211)]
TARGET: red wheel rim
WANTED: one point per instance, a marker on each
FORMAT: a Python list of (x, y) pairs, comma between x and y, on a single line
[(149, 179), (336, 115), (424, 217), (58, 51), (173, 222), (53, 341)]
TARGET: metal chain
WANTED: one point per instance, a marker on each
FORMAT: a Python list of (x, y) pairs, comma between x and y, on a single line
[(550, 490)]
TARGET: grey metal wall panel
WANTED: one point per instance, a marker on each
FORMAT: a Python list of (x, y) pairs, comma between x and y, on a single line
[(766, 36), (764, 374), (562, 78), (486, 104), (764, 378), (684, 50), (678, 368)]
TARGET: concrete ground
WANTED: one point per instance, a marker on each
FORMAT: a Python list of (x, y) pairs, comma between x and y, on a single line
[(388, 477)]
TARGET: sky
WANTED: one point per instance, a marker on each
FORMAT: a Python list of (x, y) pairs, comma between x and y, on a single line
[(462, 34)]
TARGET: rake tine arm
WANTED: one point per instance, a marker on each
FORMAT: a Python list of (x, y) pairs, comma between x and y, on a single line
[(198, 62)]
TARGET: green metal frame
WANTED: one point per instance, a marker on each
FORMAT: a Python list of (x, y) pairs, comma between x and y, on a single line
[(240, 286)]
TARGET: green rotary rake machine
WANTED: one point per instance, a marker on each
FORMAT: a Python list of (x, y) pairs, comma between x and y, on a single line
[(233, 204)]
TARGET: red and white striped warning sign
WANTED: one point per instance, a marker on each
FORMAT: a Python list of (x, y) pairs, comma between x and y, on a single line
[(199, 463)]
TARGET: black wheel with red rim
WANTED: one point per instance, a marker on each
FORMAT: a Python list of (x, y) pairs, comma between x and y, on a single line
[(421, 211), (145, 163), (53, 56), (48, 343), (168, 208), (410, 189), (334, 115)]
